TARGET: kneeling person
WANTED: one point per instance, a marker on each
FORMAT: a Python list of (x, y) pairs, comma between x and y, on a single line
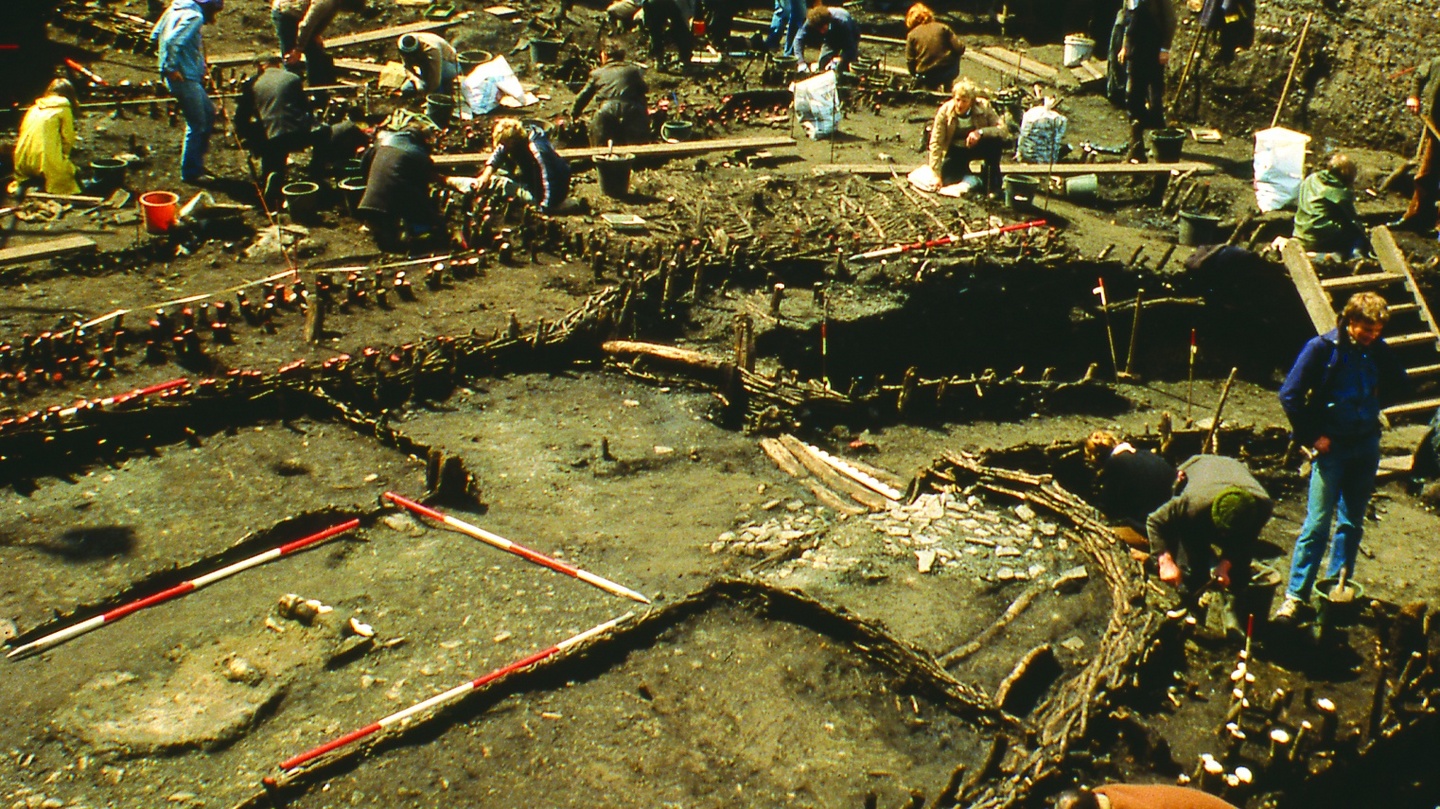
[(1325, 216), (398, 171), (526, 167), (967, 128), (619, 86), (1207, 530)]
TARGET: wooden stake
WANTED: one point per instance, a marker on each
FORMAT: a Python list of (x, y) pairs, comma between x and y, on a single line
[(1209, 448), (1134, 331), (1299, 46)]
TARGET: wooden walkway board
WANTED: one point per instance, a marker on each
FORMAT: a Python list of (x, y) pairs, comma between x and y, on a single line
[(1302, 274), (641, 150), (1026, 64), (392, 32), (1057, 169), (1382, 241), (51, 248)]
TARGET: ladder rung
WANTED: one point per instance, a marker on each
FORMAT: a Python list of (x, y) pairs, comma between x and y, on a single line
[(1366, 280), (1403, 308), (1412, 339), (1412, 407), (1423, 370)]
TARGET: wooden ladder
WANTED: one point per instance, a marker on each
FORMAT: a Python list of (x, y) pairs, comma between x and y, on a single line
[(1397, 281)]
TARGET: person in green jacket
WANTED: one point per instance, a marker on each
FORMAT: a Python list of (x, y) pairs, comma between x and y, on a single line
[(1325, 217)]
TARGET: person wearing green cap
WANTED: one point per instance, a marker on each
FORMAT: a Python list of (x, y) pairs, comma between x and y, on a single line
[(1207, 530)]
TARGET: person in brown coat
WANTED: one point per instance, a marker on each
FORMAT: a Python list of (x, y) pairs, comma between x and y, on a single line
[(1139, 796), (932, 51), (967, 128), (1420, 216)]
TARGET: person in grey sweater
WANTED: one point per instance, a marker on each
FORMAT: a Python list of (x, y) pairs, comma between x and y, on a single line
[(619, 86), (1206, 531)]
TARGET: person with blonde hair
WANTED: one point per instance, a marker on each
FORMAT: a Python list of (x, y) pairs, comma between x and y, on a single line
[(932, 51), (47, 134), (967, 128), (1333, 396), (524, 166), (1131, 482)]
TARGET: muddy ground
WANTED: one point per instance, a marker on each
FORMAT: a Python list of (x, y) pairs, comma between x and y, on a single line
[(735, 701)]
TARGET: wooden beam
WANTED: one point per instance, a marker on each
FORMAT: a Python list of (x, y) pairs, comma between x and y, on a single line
[(52, 248), (640, 150), (331, 43), (1369, 279), (1382, 241), (1412, 407), (359, 66), (77, 199), (879, 40), (1058, 169), (1026, 63), (1302, 274)]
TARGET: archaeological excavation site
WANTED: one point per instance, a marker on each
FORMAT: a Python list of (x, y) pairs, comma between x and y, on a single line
[(987, 404)]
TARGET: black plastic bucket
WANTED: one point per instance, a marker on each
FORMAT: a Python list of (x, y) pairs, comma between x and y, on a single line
[(108, 174), (1020, 191), (1198, 228), (544, 51), (302, 200), (440, 107), (614, 171), (1167, 144)]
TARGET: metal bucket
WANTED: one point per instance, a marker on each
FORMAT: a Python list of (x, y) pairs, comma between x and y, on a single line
[(1020, 191), (1198, 228), (614, 171)]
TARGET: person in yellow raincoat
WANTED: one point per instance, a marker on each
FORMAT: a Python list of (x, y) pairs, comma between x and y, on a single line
[(47, 134)]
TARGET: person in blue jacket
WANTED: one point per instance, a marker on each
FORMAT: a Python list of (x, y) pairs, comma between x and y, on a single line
[(181, 50), (1333, 396), (838, 35), (526, 167)]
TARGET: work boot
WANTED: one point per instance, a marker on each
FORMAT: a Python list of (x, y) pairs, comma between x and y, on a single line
[(1288, 608), (1136, 150)]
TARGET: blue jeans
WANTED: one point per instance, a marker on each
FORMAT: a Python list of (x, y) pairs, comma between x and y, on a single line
[(1341, 482), (784, 22), (199, 116)]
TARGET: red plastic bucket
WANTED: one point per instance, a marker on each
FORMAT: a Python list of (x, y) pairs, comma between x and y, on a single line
[(697, 27), (160, 208)]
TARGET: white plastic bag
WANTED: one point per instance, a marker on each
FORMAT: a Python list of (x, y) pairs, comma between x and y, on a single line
[(1042, 132), (1279, 167), (489, 84), (924, 179), (817, 104)]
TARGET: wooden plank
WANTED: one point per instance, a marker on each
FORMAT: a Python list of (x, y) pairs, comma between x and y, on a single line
[(331, 43), (641, 150), (1402, 308), (1302, 274), (1026, 63), (1058, 169), (358, 66), (77, 199), (1372, 279), (1423, 370), (989, 62), (1383, 243), (830, 477), (1412, 407), (1416, 338), (51, 248), (878, 40)]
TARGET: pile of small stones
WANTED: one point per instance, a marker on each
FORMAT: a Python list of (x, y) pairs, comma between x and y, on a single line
[(792, 524), (972, 537)]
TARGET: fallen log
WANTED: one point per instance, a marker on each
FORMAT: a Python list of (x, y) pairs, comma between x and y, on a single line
[(684, 356), (640, 150), (830, 477)]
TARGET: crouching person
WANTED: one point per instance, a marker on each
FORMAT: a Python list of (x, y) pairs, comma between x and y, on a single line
[(1325, 216), (524, 166), (398, 171), (47, 134), (967, 128)]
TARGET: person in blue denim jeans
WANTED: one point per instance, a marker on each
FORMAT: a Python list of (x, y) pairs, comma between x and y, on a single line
[(784, 22), (181, 51), (1332, 397)]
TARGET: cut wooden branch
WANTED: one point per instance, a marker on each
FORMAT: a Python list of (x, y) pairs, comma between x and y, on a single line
[(1209, 445), (782, 458), (1019, 605), (684, 356), (1017, 674)]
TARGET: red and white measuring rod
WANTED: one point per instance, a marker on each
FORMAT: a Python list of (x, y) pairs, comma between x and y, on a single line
[(946, 240), (454, 693), (125, 397), (178, 590), (519, 550)]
